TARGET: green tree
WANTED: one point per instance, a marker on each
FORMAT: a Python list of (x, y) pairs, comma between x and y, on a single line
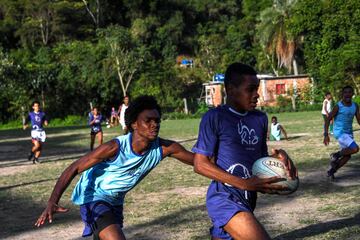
[(275, 37), (124, 56)]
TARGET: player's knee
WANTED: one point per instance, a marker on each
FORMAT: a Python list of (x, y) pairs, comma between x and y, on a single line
[(355, 149)]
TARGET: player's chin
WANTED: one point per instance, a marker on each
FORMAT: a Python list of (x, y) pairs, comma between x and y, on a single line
[(252, 106)]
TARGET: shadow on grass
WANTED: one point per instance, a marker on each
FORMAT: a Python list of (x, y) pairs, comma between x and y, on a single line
[(321, 228), (57, 145), (18, 215), (174, 222), (25, 184)]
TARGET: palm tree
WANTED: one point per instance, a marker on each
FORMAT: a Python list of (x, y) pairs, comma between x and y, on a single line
[(274, 37)]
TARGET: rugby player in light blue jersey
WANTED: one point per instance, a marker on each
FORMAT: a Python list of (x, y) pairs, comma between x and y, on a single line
[(235, 136), (38, 135), (113, 169), (95, 120), (343, 114)]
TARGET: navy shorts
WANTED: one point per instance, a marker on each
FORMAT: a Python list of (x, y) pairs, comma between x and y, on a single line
[(98, 215), (223, 202)]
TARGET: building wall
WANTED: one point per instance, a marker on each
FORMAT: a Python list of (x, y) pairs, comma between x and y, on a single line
[(213, 94), (267, 88)]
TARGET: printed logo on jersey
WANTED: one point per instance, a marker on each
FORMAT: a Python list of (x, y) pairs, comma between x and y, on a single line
[(248, 136), (240, 170), (37, 118)]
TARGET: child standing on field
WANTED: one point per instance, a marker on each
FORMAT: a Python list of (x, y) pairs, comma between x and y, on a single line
[(343, 115), (326, 109)]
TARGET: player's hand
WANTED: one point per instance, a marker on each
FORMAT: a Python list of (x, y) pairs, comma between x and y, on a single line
[(264, 185), (326, 140), (48, 213), (291, 170)]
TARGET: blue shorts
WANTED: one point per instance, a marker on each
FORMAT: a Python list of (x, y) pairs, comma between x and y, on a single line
[(97, 215), (223, 202)]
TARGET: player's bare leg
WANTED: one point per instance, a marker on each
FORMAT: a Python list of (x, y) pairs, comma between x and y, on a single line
[(100, 137), (92, 141), (112, 232), (36, 150), (245, 226)]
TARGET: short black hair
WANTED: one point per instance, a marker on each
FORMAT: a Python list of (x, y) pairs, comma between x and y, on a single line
[(140, 104), (235, 72), (273, 117), (35, 102), (347, 87), (327, 93)]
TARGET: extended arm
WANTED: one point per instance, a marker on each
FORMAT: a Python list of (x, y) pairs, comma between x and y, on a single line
[(204, 166), (176, 150), (332, 114), (26, 123), (283, 131), (105, 151), (357, 114)]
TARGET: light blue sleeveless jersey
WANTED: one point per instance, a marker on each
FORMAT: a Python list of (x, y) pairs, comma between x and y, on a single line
[(110, 180), (344, 119)]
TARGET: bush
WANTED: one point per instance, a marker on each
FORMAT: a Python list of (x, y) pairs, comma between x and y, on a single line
[(71, 120)]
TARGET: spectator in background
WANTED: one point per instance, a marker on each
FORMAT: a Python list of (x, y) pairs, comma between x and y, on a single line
[(326, 109), (121, 112), (114, 118), (275, 130)]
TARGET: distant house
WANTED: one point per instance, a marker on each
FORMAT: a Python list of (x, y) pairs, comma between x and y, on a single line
[(270, 88)]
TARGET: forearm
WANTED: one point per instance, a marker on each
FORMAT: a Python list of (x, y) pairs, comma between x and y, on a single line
[(62, 183), (212, 171)]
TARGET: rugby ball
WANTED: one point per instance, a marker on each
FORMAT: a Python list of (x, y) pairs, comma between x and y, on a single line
[(272, 167)]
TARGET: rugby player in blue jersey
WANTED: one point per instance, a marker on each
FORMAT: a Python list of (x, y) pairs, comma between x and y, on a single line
[(113, 169), (38, 135), (231, 138), (95, 120), (343, 114)]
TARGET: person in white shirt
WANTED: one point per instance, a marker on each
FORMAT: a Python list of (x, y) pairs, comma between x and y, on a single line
[(275, 130), (121, 112), (326, 109)]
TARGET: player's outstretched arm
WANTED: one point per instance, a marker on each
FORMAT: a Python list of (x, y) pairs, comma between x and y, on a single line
[(284, 132), (357, 113), (176, 150), (204, 166), (104, 151), (284, 157)]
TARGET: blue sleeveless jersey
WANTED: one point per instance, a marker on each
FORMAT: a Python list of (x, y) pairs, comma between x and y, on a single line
[(111, 179), (344, 119)]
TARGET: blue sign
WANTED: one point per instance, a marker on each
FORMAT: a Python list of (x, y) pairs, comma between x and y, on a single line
[(218, 77)]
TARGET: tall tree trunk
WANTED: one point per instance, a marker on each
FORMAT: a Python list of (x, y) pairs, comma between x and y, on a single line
[(295, 66)]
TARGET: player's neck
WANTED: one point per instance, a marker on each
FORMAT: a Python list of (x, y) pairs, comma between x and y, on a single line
[(346, 104), (236, 109), (139, 144)]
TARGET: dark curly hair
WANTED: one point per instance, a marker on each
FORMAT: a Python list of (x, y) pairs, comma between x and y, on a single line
[(140, 104)]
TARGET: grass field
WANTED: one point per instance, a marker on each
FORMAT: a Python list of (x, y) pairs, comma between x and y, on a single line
[(170, 202)]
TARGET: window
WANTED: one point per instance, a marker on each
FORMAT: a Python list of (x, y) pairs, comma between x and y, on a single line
[(280, 89)]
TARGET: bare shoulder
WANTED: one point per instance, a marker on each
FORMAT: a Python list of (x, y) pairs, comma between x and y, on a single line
[(168, 146)]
